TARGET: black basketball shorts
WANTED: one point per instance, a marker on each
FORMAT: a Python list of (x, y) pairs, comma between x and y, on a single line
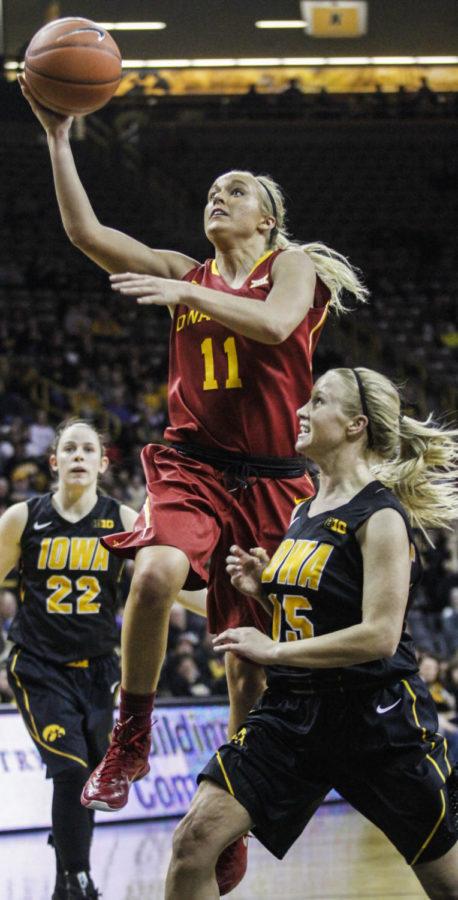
[(68, 711), (379, 749)]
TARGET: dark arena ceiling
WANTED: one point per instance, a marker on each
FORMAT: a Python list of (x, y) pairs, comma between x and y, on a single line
[(226, 28)]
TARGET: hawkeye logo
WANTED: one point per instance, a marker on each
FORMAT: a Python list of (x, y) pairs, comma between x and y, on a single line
[(239, 738), (336, 525), (52, 733)]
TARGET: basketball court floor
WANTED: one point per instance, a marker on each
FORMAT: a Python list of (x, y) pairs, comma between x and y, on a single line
[(339, 856)]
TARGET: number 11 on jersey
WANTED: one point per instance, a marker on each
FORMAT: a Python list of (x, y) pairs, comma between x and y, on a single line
[(233, 379)]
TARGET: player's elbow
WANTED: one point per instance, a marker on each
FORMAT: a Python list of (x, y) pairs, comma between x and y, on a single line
[(84, 233), (78, 236), (276, 332), (389, 648), (384, 642)]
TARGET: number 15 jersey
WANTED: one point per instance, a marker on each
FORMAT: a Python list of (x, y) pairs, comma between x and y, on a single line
[(231, 393)]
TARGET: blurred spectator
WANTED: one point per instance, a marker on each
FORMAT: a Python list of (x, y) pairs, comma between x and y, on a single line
[(8, 606), (6, 694), (212, 664), (380, 101), (252, 104), (327, 105), (425, 98), (444, 701), (404, 101), (291, 100), (185, 678), (40, 435), (4, 494), (434, 559), (450, 620), (452, 680), (22, 487)]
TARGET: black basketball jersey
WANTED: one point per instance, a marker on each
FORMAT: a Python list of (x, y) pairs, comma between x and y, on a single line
[(68, 583), (315, 582)]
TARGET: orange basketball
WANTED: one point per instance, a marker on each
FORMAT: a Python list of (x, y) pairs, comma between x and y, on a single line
[(72, 66)]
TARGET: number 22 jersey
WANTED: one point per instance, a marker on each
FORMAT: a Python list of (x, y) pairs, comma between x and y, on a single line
[(68, 583)]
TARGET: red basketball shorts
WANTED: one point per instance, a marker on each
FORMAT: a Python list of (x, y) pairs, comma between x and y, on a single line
[(196, 508)]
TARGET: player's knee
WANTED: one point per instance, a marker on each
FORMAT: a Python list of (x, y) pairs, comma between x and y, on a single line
[(193, 842), (157, 583)]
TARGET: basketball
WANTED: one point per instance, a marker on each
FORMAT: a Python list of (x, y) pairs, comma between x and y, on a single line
[(72, 66)]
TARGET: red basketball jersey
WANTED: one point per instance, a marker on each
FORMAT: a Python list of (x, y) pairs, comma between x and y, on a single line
[(232, 393)]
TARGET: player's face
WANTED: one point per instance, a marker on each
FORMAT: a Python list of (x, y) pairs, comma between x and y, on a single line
[(322, 421), (233, 208), (78, 459)]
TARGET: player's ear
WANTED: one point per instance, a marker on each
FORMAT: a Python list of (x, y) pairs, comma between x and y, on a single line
[(356, 426), (53, 463), (266, 224), (104, 463)]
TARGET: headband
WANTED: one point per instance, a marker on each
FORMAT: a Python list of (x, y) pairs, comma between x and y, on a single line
[(362, 397), (273, 205)]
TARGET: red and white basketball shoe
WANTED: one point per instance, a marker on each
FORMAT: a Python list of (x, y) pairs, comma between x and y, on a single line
[(125, 761), (231, 865)]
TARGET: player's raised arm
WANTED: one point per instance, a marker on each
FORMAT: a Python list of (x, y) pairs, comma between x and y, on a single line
[(110, 249), (269, 322), (12, 525)]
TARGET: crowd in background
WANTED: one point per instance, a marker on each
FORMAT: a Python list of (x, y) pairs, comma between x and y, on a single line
[(69, 346)]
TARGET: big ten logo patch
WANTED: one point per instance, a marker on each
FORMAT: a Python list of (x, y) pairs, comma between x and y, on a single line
[(106, 524), (336, 525), (53, 732)]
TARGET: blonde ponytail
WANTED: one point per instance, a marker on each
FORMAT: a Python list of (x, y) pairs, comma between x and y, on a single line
[(417, 460), (338, 275), (424, 474)]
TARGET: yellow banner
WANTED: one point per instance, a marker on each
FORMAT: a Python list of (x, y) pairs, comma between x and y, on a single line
[(336, 79)]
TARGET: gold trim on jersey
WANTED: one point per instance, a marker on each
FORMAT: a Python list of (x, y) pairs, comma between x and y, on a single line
[(78, 664), (225, 775), (215, 271), (147, 511), (414, 708), (435, 766), (319, 324), (433, 831), (31, 725)]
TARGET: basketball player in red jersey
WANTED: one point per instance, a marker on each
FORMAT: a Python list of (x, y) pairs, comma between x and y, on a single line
[(244, 328)]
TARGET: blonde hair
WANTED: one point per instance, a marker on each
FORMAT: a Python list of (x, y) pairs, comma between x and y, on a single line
[(417, 460), (334, 269)]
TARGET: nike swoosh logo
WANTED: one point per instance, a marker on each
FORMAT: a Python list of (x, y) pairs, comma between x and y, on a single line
[(100, 34), (384, 709), (39, 525)]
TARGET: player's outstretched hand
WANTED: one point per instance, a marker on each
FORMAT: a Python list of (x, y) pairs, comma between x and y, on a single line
[(249, 643), (52, 122), (148, 289), (245, 569)]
